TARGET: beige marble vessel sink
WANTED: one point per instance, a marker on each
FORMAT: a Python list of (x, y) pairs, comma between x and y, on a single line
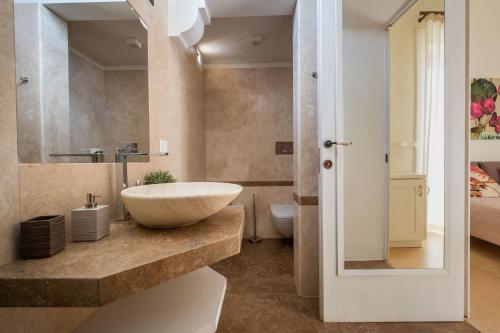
[(177, 204)]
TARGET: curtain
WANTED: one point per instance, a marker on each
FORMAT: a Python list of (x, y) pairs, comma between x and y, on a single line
[(430, 113)]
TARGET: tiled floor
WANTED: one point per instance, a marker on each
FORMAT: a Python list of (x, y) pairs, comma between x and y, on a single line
[(485, 286), (261, 298)]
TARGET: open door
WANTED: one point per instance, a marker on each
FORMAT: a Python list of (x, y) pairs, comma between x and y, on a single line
[(393, 180)]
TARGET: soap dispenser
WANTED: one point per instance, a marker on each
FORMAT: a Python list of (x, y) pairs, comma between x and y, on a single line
[(90, 222)]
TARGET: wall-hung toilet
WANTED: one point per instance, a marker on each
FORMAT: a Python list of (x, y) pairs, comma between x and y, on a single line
[(282, 217)]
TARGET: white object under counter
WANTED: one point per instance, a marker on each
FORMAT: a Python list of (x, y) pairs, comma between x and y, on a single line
[(407, 210), (191, 303)]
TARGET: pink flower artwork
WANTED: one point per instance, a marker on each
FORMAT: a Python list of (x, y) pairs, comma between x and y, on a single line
[(485, 121)]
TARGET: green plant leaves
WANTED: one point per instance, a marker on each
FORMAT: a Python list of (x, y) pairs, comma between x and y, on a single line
[(476, 131), (159, 177), (482, 89)]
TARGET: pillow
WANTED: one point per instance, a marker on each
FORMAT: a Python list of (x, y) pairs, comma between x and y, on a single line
[(482, 185)]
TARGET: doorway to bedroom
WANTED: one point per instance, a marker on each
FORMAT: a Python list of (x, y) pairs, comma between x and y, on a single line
[(485, 167)]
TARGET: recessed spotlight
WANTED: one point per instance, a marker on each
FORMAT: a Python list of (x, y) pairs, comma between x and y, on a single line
[(257, 40), (133, 43)]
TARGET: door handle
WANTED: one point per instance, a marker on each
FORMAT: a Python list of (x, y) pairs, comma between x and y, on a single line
[(330, 143)]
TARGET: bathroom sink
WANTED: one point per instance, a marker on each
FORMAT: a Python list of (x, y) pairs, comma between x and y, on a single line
[(177, 204)]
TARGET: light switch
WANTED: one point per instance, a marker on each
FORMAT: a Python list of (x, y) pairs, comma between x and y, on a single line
[(164, 146)]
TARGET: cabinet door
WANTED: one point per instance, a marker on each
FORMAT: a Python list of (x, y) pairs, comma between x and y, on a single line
[(407, 219)]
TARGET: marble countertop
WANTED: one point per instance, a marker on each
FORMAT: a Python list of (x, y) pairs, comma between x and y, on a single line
[(130, 259)]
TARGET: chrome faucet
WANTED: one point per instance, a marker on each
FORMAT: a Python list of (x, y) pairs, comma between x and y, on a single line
[(121, 156)]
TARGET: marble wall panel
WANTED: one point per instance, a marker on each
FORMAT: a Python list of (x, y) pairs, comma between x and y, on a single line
[(54, 83), (305, 100), (305, 133), (47, 189), (107, 108), (306, 251), (29, 122), (87, 104), (9, 178), (247, 111), (126, 116)]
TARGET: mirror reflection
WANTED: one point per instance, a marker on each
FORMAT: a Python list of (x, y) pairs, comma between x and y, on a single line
[(82, 90), (394, 115)]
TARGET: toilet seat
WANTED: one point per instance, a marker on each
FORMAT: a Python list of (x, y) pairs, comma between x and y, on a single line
[(282, 211), (282, 218)]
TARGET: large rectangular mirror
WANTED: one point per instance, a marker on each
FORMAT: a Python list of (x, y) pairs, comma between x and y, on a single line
[(393, 109), (82, 81)]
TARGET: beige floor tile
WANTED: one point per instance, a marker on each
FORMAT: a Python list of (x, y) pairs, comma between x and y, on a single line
[(261, 299), (485, 286)]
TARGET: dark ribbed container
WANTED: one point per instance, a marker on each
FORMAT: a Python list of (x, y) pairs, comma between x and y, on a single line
[(42, 236)]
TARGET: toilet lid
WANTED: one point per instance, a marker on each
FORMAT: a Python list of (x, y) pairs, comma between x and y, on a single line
[(282, 211)]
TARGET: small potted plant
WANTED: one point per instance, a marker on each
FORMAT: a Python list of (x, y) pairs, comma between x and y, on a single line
[(159, 177)]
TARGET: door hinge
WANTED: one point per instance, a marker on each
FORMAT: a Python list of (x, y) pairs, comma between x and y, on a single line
[(386, 158)]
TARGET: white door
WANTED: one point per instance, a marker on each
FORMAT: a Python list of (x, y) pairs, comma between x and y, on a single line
[(365, 122), (386, 293)]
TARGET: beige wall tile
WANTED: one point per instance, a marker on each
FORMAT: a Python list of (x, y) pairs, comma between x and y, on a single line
[(60, 188), (9, 179), (305, 97), (306, 251), (247, 111), (306, 244), (233, 79), (107, 108)]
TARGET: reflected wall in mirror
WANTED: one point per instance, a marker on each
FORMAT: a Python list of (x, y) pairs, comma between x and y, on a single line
[(82, 81), (393, 174)]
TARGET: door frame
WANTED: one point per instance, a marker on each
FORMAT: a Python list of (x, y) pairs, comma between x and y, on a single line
[(436, 294)]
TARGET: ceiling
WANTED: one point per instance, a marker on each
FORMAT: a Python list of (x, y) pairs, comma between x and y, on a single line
[(97, 30), (371, 13), (93, 11), (104, 41), (244, 8), (229, 40)]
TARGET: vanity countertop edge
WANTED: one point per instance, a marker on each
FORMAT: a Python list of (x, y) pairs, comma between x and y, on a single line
[(132, 258)]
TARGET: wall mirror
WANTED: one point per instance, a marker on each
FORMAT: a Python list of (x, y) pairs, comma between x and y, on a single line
[(393, 112), (82, 81)]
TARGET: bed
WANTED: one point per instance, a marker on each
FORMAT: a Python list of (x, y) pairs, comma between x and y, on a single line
[(485, 208)]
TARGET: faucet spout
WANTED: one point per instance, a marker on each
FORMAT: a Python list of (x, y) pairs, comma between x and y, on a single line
[(122, 157)]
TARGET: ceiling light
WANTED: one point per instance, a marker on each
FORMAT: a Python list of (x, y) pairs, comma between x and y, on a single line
[(257, 40), (133, 43)]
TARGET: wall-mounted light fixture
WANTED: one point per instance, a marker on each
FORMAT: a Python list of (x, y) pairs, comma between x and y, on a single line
[(199, 57)]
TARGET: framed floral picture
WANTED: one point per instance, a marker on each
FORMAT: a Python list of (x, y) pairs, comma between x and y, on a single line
[(484, 116)]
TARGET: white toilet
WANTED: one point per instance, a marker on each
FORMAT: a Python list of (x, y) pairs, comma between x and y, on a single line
[(282, 217)]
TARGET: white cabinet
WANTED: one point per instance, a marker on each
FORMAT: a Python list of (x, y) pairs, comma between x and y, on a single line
[(407, 211)]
